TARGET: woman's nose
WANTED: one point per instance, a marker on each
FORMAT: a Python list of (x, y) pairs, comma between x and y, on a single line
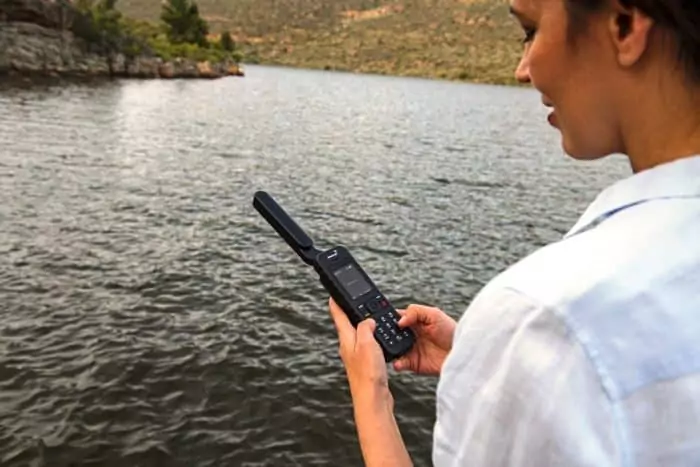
[(522, 72)]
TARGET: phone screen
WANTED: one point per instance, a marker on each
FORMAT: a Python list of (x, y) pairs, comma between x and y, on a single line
[(352, 280)]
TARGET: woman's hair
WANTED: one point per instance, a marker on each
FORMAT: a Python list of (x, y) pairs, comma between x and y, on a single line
[(679, 18)]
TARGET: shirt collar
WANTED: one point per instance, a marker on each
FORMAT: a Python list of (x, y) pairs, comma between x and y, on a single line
[(676, 179)]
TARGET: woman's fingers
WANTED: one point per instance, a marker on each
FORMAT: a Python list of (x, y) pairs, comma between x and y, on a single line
[(401, 364)]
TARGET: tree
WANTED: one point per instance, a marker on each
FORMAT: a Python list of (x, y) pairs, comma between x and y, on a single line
[(183, 22), (226, 42), (99, 24)]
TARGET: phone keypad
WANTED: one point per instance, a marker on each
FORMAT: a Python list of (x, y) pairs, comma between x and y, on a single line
[(387, 320)]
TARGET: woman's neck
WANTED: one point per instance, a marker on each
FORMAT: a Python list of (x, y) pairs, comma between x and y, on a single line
[(662, 127)]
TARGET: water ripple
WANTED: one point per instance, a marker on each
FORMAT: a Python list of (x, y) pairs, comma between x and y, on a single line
[(151, 317)]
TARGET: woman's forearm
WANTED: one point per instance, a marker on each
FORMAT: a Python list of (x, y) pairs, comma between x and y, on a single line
[(377, 430)]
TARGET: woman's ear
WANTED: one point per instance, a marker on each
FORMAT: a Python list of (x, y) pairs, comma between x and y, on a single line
[(630, 30), (624, 25)]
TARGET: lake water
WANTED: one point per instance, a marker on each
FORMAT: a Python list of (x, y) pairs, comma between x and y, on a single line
[(150, 316)]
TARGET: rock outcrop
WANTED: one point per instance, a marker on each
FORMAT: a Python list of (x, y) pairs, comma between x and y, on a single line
[(53, 14), (35, 40)]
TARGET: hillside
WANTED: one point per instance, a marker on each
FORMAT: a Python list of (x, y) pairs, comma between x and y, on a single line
[(473, 40)]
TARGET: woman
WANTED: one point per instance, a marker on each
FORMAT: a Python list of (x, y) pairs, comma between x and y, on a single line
[(587, 352)]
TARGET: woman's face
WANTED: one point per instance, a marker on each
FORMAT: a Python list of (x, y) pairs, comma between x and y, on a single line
[(579, 79)]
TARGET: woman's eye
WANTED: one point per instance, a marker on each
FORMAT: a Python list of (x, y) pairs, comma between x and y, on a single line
[(529, 35)]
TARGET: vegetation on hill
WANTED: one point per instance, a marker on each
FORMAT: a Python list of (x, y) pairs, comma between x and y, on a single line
[(473, 40), (182, 32)]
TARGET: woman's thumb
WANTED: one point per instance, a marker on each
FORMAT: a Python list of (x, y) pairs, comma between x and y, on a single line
[(409, 316), (365, 330)]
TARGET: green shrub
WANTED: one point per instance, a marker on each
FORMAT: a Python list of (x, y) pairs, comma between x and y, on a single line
[(183, 23), (226, 42), (163, 48), (183, 35), (98, 23)]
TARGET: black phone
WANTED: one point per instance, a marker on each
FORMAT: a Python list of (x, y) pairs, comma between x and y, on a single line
[(343, 278)]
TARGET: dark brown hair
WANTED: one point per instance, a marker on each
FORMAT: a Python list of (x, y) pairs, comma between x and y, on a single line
[(679, 18)]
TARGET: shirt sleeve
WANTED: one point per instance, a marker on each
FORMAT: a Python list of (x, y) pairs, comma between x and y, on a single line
[(517, 390)]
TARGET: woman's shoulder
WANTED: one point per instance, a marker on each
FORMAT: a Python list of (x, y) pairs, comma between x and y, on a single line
[(641, 250), (625, 290)]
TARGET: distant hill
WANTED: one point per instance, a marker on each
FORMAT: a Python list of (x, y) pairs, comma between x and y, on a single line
[(473, 40)]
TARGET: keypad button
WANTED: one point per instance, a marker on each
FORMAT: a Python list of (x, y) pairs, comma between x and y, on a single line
[(388, 331)]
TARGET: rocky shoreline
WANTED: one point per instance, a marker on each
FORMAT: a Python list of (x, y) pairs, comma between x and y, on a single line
[(34, 43)]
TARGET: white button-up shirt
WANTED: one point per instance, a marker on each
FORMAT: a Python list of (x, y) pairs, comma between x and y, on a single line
[(587, 352)]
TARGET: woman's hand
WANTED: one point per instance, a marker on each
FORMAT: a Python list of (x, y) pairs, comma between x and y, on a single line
[(362, 356), (434, 331), (373, 405)]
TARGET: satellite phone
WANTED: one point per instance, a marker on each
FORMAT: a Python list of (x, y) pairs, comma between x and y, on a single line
[(343, 278)]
